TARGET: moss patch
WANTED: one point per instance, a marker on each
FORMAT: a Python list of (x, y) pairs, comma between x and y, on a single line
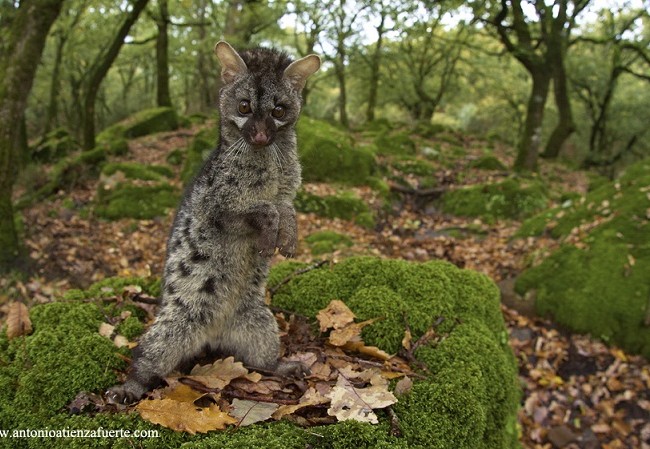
[(488, 163), (470, 399), (55, 145), (323, 242), (141, 202), (198, 150), (345, 205), (395, 143), (603, 288), (327, 154), (133, 170), (511, 198)]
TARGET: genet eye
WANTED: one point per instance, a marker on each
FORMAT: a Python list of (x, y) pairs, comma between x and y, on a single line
[(244, 107), (278, 112)]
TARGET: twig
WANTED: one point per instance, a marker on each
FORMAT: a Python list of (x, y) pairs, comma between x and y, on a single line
[(286, 280), (395, 429)]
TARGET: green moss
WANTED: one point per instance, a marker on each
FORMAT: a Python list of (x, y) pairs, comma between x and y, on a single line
[(603, 288), (133, 170), (113, 287), (66, 173), (323, 242), (470, 399), (112, 140), (415, 167), (150, 121), (199, 149), (130, 328), (327, 154), (175, 157), (141, 202), (54, 145), (511, 198), (430, 130), (488, 163), (345, 205), (399, 143)]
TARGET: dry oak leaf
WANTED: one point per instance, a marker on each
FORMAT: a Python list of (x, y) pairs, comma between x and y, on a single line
[(351, 403), (372, 351), (351, 332), (184, 416), (18, 322), (336, 315), (250, 412), (311, 397), (219, 374)]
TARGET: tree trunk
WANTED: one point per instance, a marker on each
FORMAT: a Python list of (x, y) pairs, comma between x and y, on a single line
[(565, 126), (339, 70), (528, 146), (162, 60), (52, 107), (375, 63), (98, 72), (19, 59)]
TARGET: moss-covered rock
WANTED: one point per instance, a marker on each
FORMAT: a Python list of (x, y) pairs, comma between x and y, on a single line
[(488, 163), (322, 242), (603, 287), (470, 399), (130, 201), (54, 145), (133, 170), (395, 143), (512, 198), (113, 141), (345, 205), (150, 121), (327, 154), (66, 173), (198, 150)]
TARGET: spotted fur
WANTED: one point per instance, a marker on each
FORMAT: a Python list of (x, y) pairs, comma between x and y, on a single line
[(233, 216)]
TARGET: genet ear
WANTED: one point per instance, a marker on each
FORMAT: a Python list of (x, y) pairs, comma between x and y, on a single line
[(298, 71), (232, 65)]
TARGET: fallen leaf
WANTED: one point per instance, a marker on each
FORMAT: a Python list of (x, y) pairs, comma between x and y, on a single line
[(218, 374), (335, 315), (372, 351), (106, 330), (406, 341), (311, 397), (18, 322), (184, 416), (341, 336), (351, 403), (403, 386), (249, 412), (120, 341)]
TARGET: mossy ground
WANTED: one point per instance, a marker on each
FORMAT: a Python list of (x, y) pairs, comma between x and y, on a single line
[(327, 154), (130, 201), (133, 170), (468, 400), (510, 199), (55, 145), (202, 144), (345, 205), (323, 242), (488, 162), (603, 288), (395, 143)]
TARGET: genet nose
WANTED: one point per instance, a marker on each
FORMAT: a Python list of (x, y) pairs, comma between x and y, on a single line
[(260, 138)]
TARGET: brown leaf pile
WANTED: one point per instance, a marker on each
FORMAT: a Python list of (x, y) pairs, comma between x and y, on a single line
[(341, 385)]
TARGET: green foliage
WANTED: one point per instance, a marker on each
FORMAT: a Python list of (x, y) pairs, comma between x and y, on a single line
[(55, 145), (322, 242), (133, 170), (512, 198), (112, 140), (147, 121), (396, 143), (412, 166), (345, 205), (113, 287), (141, 202), (471, 398), (200, 147), (603, 288), (327, 154)]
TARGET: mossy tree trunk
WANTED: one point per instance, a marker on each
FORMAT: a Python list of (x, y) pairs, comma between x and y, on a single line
[(24, 33), (531, 138), (98, 72), (375, 64), (162, 60)]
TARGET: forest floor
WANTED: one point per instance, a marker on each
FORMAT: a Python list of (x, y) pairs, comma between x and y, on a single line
[(578, 393)]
